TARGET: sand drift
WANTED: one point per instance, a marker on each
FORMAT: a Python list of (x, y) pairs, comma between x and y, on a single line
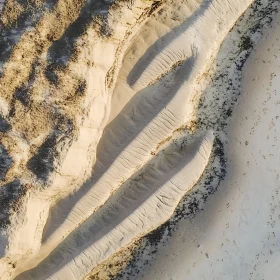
[(105, 123)]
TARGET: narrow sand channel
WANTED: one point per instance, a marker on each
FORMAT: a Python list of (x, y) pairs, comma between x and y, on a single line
[(237, 234)]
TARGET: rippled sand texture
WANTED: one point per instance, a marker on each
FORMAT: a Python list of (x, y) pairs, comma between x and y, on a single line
[(236, 236), (101, 128)]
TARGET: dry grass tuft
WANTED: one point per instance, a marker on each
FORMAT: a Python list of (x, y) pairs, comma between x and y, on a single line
[(11, 12), (113, 266)]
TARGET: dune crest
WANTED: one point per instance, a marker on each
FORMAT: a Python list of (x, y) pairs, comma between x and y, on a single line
[(99, 126)]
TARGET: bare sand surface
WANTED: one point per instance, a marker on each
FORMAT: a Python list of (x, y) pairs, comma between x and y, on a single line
[(147, 117), (236, 236)]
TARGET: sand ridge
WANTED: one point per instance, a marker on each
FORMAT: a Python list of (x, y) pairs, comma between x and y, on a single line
[(114, 146)]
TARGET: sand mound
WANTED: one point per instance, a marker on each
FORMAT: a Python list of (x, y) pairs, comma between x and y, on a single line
[(100, 124)]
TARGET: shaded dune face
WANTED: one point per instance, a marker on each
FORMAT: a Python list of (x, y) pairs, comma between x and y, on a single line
[(141, 205), (98, 136), (232, 228)]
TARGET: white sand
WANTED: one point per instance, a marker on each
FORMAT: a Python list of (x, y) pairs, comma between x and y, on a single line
[(143, 168), (142, 205), (129, 141), (236, 236), (94, 64)]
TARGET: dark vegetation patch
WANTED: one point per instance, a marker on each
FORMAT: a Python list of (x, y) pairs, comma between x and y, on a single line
[(42, 164), (246, 43), (27, 20), (154, 7), (81, 89), (4, 125), (63, 49), (22, 93), (10, 195), (5, 161), (50, 73)]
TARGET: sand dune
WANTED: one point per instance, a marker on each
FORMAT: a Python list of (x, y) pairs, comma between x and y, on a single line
[(107, 120), (236, 235), (143, 204)]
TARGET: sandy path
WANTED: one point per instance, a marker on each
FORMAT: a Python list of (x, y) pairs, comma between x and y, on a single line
[(237, 234)]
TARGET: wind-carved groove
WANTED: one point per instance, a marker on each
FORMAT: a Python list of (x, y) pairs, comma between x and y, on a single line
[(135, 184), (173, 46), (98, 184), (144, 196), (113, 152), (160, 68), (42, 149)]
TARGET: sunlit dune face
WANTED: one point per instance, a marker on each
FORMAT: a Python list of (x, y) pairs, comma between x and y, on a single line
[(114, 121)]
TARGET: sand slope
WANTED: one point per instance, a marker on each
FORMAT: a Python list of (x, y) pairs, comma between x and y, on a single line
[(113, 137), (236, 234)]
